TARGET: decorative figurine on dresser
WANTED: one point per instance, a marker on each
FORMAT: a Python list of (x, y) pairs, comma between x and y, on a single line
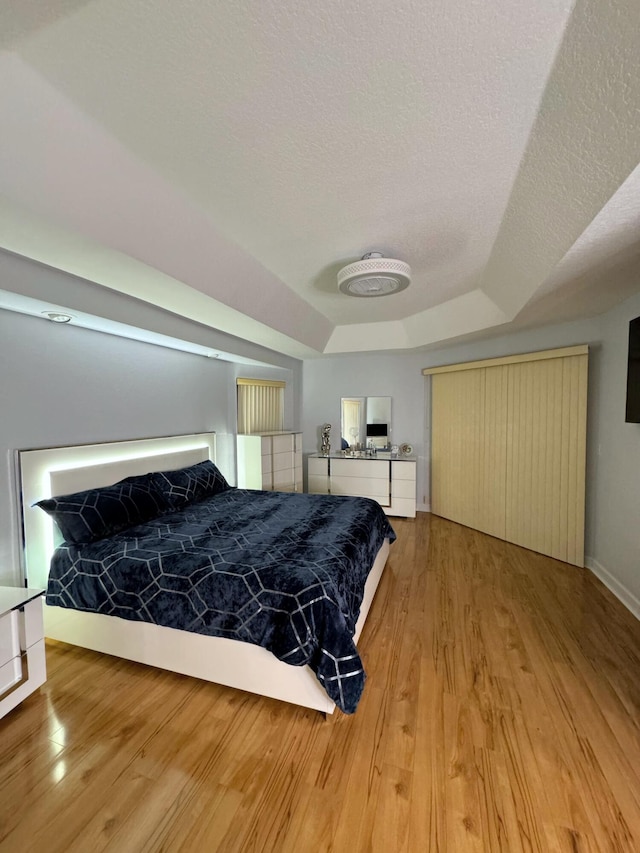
[(325, 447)]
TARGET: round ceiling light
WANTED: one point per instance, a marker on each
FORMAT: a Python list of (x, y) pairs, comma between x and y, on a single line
[(374, 275)]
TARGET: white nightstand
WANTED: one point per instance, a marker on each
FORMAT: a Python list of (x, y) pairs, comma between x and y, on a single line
[(22, 658)]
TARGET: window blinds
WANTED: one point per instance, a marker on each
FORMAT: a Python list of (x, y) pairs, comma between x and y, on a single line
[(260, 405)]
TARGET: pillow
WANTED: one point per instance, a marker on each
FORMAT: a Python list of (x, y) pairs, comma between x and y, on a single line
[(188, 485), (96, 513), (147, 483)]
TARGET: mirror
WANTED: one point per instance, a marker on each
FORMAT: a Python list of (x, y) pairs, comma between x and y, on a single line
[(366, 421)]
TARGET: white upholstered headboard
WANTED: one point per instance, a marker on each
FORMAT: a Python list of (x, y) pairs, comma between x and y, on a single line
[(61, 470)]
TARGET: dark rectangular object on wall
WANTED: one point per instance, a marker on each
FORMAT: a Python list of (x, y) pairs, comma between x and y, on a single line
[(633, 373), (376, 430)]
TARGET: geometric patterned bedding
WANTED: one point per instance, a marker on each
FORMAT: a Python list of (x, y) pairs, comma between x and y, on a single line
[(283, 571)]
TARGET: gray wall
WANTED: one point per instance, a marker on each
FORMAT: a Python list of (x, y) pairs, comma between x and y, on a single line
[(74, 295), (613, 447), (327, 380), (614, 465), (63, 385)]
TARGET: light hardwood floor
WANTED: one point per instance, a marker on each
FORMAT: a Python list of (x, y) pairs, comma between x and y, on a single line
[(501, 713)]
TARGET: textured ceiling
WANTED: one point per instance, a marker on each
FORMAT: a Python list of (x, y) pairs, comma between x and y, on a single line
[(224, 160)]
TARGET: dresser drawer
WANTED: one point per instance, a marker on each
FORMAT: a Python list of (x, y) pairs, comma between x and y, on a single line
[(318, 485), (404, 507), (9, 637), (265, 445), (318, 467), (365, 468), (361, 487), (403, 470), (403, 489), (281, 461), (10, 674), (284, 480), (283, 443)]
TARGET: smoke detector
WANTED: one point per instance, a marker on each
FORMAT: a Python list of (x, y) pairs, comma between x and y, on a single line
[(374, 275)]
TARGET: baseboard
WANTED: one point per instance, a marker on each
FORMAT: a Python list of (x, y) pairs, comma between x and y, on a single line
[(619, 590)]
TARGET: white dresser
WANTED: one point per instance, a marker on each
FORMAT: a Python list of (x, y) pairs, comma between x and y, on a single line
[(271, 461), (391, 481), (22, 656)]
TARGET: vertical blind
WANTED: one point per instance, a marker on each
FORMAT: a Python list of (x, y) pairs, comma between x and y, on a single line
[(508, 448), (260, 405)]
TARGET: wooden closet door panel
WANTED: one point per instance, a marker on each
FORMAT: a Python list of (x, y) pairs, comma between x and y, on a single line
[(524, 443), (509, 448), (545, 457), (442, 442), (575, 373), (492, 448), (457, 427), (553, 463)]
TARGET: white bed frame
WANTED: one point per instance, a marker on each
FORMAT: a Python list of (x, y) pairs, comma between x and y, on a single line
[(56, 471)]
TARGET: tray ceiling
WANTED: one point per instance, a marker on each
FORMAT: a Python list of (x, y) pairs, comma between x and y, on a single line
[(223, 161)]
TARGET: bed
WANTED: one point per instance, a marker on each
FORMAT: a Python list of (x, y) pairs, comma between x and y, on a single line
[(229, 656)]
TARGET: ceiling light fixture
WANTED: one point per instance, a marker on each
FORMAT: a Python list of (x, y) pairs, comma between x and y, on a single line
[(57, 317), (374, 275)]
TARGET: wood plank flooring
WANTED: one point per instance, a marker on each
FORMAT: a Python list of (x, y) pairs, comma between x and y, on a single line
[(501, 713)]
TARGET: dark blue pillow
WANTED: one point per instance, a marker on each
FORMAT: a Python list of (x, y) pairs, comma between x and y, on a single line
[(147, 483), (189, 485), (97, 513)]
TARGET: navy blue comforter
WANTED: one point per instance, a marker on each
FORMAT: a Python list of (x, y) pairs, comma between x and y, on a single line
[(283, 571)]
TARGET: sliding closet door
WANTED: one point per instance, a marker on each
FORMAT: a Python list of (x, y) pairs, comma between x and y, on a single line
[(456, 436), (508, 448), (546, 446), (468, 448)]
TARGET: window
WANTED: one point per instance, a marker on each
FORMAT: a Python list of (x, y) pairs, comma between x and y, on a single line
[(260, 405)]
